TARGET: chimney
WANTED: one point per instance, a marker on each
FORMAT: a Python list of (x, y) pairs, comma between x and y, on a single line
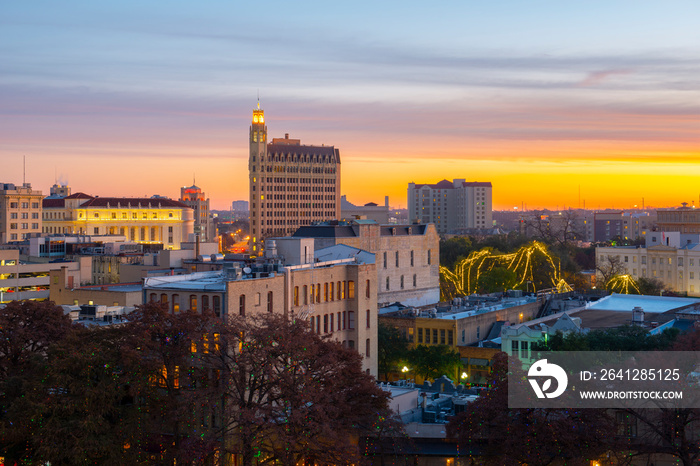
[(286, 135)]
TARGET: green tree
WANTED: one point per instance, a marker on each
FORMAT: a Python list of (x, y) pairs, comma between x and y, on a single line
[(497, 279), (650, 286), (454, 249), (393, 348), (433, 361)]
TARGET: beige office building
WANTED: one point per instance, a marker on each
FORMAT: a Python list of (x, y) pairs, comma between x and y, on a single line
[(20, 212), (194, 198), (291, 184)]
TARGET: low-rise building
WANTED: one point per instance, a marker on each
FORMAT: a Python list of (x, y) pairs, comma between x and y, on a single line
[(408, 256), (22, 278), (140, 220)]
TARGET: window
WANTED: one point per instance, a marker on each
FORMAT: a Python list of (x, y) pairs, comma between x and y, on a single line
[(313, 293), (318, 292), (450, 337), (515, 347), (368, 317), (296, 295), (442, 336), (411, 258), (257, 299), (402, 282), (387, 283), (351, 289), (330, 293), (351, 320), (193, 302), (163, 298), (385, 259), (428, 256), (415, 280), (133, 215), (339, 320), (397, 258), (305, 291), (367, 348), (344, 289), (241, 305), (523, 350), (420, 335), (325, 292), (269, 301), (325, 323), (216, 300), (96, 230), (427, 336), (205, 302), (435, 336), (153, 297), (331, 324), (176, 303), (35, 205), (478, 333), (340, 291)]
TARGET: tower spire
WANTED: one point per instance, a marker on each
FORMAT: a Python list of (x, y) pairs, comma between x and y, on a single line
[(258, 99)]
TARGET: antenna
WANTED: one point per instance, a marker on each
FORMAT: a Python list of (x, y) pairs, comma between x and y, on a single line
[(24, 170), (258, 99)]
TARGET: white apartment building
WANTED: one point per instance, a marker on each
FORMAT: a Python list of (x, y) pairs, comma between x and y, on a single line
[(451, 206)]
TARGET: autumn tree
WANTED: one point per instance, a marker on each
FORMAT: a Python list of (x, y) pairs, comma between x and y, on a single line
[(292, 395), (537, 437), (27, 331), (89, 412), (166, 356)]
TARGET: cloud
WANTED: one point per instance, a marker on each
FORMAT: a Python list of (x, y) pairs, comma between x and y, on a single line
[(600, 76)]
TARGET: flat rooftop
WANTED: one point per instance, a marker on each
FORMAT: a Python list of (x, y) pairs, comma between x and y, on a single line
[(651, 304)]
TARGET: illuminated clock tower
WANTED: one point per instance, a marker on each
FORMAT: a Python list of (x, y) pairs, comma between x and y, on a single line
[(257, 195)]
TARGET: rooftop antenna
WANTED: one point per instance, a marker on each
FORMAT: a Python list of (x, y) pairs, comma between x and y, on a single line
[(258, 99), (24, 169)]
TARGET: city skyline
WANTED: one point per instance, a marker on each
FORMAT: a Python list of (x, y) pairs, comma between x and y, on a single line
[(555, 105)]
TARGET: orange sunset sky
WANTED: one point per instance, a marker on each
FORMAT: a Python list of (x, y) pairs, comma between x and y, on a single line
[(557, 106)]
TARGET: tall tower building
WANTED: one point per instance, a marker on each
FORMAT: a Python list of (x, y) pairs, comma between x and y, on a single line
[(291, 184)]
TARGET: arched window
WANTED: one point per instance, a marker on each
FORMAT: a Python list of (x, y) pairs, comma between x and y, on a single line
[(205, 302), (163, 298), (193, 302), (367, 293), (269, 301), (241, 305), (176, 303), (305, 291), (296, 295), (216, 301), (368, 318), (153, 297), (367, 348)]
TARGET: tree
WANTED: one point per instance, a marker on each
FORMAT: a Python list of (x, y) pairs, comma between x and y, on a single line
[(504, 436), (454, 249), (393, 348), (292, 395), (496, 280), (88, 413), (28, 329), (650, 286), (610, 267), (180, 397), (433, 361)]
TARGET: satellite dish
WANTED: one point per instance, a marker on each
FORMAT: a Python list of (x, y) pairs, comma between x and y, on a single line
[(247, 270)]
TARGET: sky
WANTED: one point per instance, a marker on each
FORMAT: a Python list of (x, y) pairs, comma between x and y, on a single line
[(558, 104)]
